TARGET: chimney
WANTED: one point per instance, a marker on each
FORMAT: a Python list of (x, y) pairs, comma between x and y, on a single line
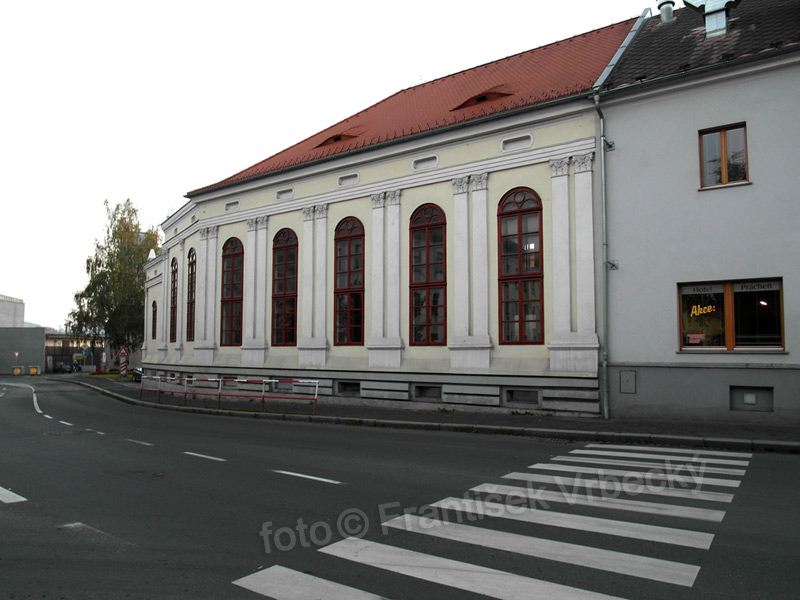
[(715, 13), (665, 9)]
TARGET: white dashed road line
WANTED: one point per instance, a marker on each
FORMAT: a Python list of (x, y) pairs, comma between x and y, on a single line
[(293, 474), (9, 497), (138, 442), (206, 456)]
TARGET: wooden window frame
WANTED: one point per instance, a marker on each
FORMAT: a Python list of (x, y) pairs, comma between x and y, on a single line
[(191, 294), (349, 230), (173, 301), (231, 250), (284, 240), (422, 220), (520, 278), (729, 312), (723, 131)]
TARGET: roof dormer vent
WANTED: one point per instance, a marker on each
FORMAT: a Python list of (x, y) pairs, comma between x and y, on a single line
[(715, 13)]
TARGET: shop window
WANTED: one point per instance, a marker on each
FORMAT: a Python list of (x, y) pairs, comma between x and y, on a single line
[(232, 293), (349, 283), (284, 288), (731, 315), (723, 156), (191, 294), (173, 301), (520, 270), (428, 279)]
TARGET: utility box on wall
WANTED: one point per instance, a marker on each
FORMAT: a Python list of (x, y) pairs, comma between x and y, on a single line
[(758, 399)]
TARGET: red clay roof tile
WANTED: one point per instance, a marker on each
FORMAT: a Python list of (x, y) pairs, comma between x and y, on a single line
[(559, 70)]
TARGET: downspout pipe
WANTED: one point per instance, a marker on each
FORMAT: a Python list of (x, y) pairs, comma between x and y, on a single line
[(604, 145), (604, 408)]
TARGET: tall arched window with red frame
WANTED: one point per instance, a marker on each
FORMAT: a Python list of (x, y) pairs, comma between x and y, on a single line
[(349, 283), (232, 293), (154, 320), (428, 279), (520, 273), (284, 288), (173, 301), (191, 294)]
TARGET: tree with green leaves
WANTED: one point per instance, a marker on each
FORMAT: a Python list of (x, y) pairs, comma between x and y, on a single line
[(112, 304)]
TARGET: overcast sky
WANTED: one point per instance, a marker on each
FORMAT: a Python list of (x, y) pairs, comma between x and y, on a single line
[(148, 100)]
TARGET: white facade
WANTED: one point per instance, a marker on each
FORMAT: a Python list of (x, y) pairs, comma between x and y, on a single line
[(12, 312), (665, 230)]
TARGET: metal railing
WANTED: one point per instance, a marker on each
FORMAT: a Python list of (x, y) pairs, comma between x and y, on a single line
[(180, 386)]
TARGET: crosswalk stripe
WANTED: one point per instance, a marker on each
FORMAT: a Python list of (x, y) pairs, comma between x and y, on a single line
[(679, 479), (9, 497), (594, 558), (455, 574), (639, 531), (629, 487), (677, 459), (599, 501), (673, 450), (281, 583), (636, 463)]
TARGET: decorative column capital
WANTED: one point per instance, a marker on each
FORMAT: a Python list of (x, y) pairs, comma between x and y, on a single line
[(308, 213), (584, 162), (378, 200), (393, 198), (262, 222), (212, 232), (183, 245), (559, 167), (251, 224), (321, 211), (204, 233), (460, 185), (479, 182)]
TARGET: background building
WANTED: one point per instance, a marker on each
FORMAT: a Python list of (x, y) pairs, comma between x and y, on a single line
[(12, 312)]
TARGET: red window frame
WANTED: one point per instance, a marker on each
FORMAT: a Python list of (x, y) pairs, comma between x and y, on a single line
[(427, 277), (191, 294), (232, 293), (173, 301), (284, 288), (154, 321), (348, 302), (520, 268)]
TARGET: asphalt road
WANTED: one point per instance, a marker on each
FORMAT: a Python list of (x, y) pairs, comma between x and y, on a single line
[(104, 500)]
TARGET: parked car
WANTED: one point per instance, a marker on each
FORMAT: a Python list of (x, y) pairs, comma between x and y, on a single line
[(137, 374), (62, 368)]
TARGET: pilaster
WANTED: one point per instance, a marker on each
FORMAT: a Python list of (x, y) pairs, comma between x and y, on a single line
[(205, 349), (470, 346), (313, 345), (385, 346)]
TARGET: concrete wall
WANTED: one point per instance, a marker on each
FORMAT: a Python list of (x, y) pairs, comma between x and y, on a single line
[(28, 341), (663, 230)]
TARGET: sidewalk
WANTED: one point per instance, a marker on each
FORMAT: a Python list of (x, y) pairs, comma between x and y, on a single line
[(730, 435)]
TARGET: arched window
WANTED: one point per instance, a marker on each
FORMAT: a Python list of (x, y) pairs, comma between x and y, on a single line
[(284, 288), (232, 293), (173, 301), (428, 279), (519, 217), (154, 321), (349, 283), (191, 294)]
